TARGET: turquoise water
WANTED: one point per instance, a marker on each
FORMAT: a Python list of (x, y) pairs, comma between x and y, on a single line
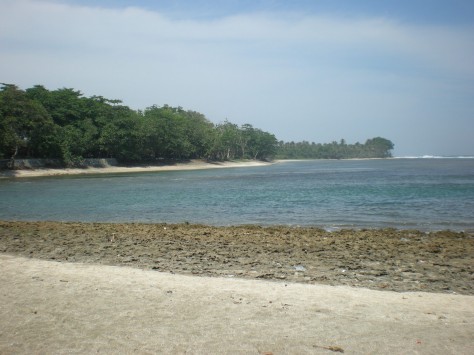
[(426, 194)]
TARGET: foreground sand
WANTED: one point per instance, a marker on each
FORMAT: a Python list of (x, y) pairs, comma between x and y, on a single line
[(87, 288), (190, 165), (48, 307)]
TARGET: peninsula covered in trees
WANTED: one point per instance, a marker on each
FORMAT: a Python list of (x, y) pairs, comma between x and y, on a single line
[(373, 148), (63, 124)]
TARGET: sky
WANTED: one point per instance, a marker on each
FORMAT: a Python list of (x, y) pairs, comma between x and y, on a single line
[(314, 70)]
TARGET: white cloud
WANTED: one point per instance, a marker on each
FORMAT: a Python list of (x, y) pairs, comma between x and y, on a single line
[(281, 72)]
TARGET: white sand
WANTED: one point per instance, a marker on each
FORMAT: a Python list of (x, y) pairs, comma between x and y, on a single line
[(192, 165), (56, 308)]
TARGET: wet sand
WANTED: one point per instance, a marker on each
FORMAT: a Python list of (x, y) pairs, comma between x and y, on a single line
[(396, 260)]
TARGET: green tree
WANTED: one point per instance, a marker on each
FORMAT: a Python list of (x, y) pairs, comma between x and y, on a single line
[(65, 124), (373, 148), (64, 105), (165, 133), (262, 145), (379, 147), (123, 137), (26, 129), (199, 132), (226, 142)]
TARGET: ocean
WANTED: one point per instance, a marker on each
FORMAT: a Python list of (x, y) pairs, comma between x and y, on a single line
[(427, 194)]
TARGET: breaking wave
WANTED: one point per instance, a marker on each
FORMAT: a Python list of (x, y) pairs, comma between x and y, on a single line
[(436, 157)]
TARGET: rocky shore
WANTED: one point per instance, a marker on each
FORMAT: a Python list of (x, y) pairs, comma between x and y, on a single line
[(377, 259)]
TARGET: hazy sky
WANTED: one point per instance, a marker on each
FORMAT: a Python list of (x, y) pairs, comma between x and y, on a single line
[(303, 70)]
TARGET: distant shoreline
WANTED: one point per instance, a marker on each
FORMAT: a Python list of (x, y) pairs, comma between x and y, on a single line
[(191, 165), (195, 164)]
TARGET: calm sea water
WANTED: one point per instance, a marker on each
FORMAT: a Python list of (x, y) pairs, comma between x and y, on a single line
[(426, 194)]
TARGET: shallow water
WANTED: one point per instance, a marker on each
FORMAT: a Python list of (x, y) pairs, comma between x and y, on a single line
[(426, 194)]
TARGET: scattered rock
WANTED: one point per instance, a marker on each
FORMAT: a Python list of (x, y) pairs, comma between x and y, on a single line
[(388, 259)]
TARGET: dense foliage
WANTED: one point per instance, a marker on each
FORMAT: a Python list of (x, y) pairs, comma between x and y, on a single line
[(373, 148), (63, 124)]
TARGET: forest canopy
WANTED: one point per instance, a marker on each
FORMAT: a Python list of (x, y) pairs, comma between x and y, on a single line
[(373, 148), (64, 124)]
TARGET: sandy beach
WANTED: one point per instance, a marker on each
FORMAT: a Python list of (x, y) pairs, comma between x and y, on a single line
[(192, 289), (49, 307), (188, 165)]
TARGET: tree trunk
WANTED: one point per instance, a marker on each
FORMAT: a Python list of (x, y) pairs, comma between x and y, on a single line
[(11, 165)]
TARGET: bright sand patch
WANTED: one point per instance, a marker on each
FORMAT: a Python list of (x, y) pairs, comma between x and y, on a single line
[(50, 307), (191, 165)]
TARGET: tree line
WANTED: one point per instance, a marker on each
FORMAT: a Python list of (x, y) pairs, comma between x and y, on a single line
[(64, 124), (373, 148)]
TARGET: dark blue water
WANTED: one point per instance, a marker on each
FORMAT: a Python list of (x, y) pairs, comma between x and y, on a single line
[(426, 194)]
